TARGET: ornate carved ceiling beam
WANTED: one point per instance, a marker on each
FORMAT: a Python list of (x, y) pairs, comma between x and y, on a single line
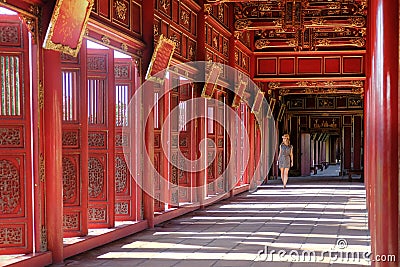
[(355, 86)]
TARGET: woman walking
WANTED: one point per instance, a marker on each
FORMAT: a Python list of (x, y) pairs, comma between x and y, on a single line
[(285, 158)]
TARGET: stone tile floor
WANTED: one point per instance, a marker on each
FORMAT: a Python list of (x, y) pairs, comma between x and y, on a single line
[(316, 221)]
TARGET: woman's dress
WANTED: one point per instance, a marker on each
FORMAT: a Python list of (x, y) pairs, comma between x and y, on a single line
[(284, 158)]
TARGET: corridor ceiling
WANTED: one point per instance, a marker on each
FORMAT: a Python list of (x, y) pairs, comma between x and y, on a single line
[(303, 25), (333, 27)]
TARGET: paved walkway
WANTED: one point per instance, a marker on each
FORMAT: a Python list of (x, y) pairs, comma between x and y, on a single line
[(324, 217)]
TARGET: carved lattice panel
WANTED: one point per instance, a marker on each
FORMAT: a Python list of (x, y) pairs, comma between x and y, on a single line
[(101, 137), (75, 144), (71, 221), (11, 136), (71, 188), (10, 34), (12, 235), (11, 185), (97, 183), (126, 198), (122, 176), (16, 168)]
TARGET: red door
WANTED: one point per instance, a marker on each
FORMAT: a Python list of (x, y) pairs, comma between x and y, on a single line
[(101, 119), (74, 143), (125, 185), (15, 138)]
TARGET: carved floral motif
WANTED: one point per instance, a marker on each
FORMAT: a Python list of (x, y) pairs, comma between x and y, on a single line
[(69, 179), (121, 71), (11, 235), (71, 221), (96, 140), (10, 137), (9, 34), (70, 139), (96, 177), (121, 208), (120, 9), (96, 63), (10, 194), (97, 214), (121, 174)]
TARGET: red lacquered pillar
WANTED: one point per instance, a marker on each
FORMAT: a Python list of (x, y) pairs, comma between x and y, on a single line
[(200, 107), (382, 126), (232, 175), (53, 153), (148, 98)]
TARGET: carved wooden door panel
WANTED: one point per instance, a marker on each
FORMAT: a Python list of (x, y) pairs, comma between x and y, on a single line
[(185, 144), (220, 139), (101, 119), (160, 187), (74, 144), (173, 137), (210, 125), (15, 139), (126, 208), (242, 136)]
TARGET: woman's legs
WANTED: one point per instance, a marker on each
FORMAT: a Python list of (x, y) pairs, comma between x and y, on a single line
[(285, 176)]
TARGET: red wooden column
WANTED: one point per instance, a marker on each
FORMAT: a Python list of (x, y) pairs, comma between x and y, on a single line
[(200, 107), (148, 98), (230, 121), (382, 127), (53, 153)]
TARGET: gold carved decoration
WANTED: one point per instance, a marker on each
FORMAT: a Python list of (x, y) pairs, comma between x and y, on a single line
[(264, 7), (357, 83), (221, 12), (284, 91), (274, 85), (43, 239), (105, 40), (124, 47), (42, 174), (292, 42), (359, 42), (329, 83), (41, 95), (207, 9), (357, 22), (175, 39), (215, 42), (30, 24), (120, 9), (324, 42), (357, 90), (237, 34), (192, 53), (302, 83), (242, 24), (318, 21), (336, 5), (164, 4), (261, 43), (156, 30), (185, 17)]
